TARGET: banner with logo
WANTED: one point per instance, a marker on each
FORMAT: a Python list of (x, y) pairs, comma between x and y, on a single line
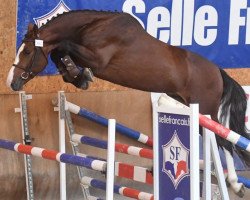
[(174, 156), (217, 30), (175, 133)]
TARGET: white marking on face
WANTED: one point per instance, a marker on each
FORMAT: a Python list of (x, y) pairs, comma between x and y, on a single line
[(11, 72), (18, 54), (10, 76)]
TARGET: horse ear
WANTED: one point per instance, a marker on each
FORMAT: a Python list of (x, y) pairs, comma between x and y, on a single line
[(35, 29), (30, 27)]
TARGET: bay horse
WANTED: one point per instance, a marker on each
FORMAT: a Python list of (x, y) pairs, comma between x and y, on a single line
[(117, 49)]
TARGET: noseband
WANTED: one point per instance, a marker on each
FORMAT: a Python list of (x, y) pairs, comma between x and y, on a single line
[(27, 72)]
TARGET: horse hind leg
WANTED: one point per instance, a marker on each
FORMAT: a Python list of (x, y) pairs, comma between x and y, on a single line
[(232, 177)]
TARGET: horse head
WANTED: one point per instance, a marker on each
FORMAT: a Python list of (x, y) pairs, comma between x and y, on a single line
[(30, 60)]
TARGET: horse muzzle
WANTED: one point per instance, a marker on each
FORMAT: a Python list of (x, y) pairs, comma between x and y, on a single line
[(17, 85)]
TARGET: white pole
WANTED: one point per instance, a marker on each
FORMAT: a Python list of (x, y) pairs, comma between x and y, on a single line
[(207, 165), (194, 152), (61, 119), (155, 151), (110, 160), (218, 166)]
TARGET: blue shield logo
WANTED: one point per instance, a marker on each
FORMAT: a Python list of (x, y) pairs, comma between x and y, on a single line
[(175, 160), (59, 9)]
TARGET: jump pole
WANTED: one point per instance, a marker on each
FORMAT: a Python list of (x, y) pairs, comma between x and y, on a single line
[(75, 160), (225, 133), (121, 148), (215, 127), (110, 160), (124, 191), (97, 165), (82, 112), (62, 145), (124, 170)]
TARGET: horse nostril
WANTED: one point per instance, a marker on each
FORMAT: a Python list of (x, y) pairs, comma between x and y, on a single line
[(15, 87)]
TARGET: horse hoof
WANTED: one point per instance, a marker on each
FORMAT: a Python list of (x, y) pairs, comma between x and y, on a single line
[(88, 74), (84, 85), (241, 192)]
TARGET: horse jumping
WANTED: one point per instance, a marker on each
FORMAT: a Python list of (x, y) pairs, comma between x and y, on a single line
[(117, 49)]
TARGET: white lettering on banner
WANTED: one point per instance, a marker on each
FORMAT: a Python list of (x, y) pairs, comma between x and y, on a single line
[(188, 22), (237, 21), (177, 25), (206, 16), (139, 7), (248, 27), (159, 19)]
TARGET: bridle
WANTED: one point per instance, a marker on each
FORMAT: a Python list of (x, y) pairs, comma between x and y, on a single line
[(27, 72)]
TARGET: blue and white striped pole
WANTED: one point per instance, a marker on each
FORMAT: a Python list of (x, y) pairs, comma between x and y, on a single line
[(104, 121)]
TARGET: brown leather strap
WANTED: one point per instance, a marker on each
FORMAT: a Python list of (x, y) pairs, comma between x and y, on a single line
[(70, 66)]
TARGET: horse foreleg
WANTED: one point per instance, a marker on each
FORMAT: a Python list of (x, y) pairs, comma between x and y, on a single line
[(77, 80), (56, 58), (82, 54), (232, 177), (84, 57)]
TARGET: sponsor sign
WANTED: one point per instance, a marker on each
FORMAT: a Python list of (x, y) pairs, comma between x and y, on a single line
[(202, 26), (174, 155)]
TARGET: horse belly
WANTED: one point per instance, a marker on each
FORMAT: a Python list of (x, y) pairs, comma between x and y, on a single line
[(206, 87), (142, 76)]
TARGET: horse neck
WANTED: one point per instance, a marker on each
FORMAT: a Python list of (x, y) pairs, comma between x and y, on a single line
[(64, 26)]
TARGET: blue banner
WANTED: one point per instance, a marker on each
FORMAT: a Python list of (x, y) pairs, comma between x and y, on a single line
[(217, 30), (174, 156)]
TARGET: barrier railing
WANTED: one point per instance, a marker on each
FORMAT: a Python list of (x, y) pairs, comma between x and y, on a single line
[(104, 121)]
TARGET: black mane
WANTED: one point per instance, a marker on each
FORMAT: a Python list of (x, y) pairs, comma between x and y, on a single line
[(79, 11)]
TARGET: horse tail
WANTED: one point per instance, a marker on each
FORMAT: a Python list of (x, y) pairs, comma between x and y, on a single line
[(234, 105)]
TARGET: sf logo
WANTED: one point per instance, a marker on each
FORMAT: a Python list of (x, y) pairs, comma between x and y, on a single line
[(175, 160), (175, 152)]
